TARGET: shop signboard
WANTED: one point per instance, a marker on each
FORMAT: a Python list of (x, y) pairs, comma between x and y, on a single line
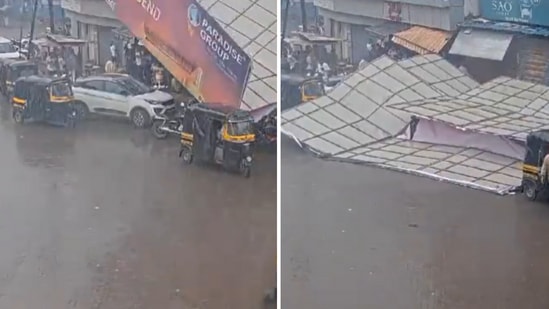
[(532, 12), (191, 45)]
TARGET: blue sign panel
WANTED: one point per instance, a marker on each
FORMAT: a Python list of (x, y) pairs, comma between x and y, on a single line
[(533, 12)]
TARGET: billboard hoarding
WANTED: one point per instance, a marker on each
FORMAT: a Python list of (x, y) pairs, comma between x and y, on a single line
[(532, 12), (191, 45)]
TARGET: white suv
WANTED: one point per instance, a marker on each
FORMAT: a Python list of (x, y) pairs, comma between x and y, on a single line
[(120, 95), (8, 50)]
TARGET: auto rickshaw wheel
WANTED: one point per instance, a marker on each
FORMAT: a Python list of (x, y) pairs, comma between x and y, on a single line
[(187, 156), (82, 110), (530, 190), (71, 123), (245, 169), (18, 116)]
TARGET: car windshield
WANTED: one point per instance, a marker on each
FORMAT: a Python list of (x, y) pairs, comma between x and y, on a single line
[(62, 89), (6, 48), (134, 86), (240, 128)]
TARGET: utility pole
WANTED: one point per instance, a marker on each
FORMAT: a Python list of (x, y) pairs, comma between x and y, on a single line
[(303, 16), (33, 22), (52, 21), (22, 17), (285, 19)]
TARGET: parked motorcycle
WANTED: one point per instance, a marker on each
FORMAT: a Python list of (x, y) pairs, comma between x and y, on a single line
[(266, 133), (168, 124)]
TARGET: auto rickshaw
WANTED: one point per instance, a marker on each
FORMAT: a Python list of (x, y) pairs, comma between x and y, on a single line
[(44, 99), (11, 70), (297, 89), (537, 147), (219, 134)]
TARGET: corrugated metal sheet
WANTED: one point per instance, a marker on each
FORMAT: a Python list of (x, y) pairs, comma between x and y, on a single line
[(422, 40), (485, 44)]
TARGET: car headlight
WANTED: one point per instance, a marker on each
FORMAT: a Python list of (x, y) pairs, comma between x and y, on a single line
[(249, 159), (152, 102)]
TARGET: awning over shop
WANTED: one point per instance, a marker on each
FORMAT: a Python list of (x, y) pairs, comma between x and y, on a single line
[(485, 44), (314, 38), (422, 40), (387, 28)]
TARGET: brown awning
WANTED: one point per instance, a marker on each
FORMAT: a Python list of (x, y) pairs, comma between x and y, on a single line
[(422, 40)]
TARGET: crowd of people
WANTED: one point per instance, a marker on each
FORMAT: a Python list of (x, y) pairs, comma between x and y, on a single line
[(317, 60), (138, 62), (310, 61), (60, 61), (383, 47)]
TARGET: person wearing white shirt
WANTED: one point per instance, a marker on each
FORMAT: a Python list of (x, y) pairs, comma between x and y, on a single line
[(544, 167), (50, 65), (113, 52)]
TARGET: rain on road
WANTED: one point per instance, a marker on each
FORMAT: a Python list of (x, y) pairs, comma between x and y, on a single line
[(361, 237), (108, 217)]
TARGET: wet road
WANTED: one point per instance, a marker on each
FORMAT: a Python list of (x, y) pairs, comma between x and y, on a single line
[(359, 237), (107, 217)]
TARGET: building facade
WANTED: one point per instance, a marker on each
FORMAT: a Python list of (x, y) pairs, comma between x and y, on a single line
[(294, 18), (93, 21), (359, 21), (511, 38)]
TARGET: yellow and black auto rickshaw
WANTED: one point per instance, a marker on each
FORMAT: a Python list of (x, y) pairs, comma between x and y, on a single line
[(44, 99), (218, 134), (537, 147), (297, 89), (11, 70)]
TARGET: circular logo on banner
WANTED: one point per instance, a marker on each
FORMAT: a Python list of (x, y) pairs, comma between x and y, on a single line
[(193, 14)]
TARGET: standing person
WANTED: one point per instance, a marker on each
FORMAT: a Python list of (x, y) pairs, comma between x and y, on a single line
[(138, 66), (129, 55), (113, 52), (50, 64), (71, 63), (147, 69), (327, 70), (110, 66), (61, 64), (544, 168), (309, 64)]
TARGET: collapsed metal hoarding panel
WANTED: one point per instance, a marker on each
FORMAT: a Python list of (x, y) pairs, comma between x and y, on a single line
[(465, 133)]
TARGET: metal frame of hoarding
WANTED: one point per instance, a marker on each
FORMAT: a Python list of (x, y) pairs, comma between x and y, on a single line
[(167, 53), (330, 157), (246, 79), (250, 65)]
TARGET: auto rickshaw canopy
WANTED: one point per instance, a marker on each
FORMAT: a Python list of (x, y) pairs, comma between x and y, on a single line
[(537, 146), (19, 65), (25, 84), (221, 112), (296, 89), (40, 80)]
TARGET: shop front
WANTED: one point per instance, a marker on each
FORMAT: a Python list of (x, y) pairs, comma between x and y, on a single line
[(93, 21), (510, 39), (360, 23)]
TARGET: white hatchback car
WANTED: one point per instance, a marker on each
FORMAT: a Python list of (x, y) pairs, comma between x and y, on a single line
[(120, 95)]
